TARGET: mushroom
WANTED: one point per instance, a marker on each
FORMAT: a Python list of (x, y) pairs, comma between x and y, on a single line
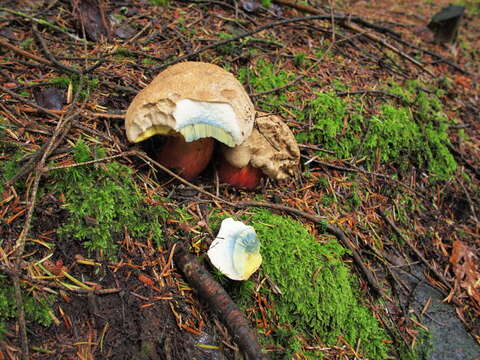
[(191, 103), (270, 150), (236, 250)]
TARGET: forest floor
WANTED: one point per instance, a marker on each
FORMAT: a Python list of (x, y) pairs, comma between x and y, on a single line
[(389, 131)]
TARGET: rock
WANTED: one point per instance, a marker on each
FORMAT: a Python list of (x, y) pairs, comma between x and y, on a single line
[(448, 340)]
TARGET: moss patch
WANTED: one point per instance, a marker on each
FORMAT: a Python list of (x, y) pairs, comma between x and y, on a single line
[(265, 76), (405, 136), (317, 300), (103, 203), (36, 310)]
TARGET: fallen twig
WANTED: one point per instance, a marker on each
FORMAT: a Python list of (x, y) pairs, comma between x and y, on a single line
[(414, 249), (50, 56), (469, 198), (245, 34), (298, 78), (348, 24), (24, 53), (213, 293), (43, 22), (459, 156), (370, 92), (53, 285), (356, 19), (60, 132), (107, 158), (149, 160), (339, 234), (371, 173)]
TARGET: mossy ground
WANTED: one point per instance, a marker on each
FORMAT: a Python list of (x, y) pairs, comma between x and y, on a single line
[(317, 298), (105, 204), (411, 131), (99, 209), (37, 309)]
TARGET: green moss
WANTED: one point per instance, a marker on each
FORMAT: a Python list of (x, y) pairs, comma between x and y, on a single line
[(266, 76), (318, 295), (26, 44), (266, 3), (74, 79), (317, 301), (103, 203), (36, 309), (423, 345), (472, 6), (10, 156), (396, 134), (150, 62), (159, 2)]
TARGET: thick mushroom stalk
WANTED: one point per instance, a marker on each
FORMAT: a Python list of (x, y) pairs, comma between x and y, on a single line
[(187, 159), (191, 102), (271, 150)]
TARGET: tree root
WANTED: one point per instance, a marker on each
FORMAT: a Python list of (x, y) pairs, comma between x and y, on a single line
[(213, 293)]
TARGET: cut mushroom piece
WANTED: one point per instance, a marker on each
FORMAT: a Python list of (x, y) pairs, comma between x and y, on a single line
[(236, 250), (191, 101), (270, 150)]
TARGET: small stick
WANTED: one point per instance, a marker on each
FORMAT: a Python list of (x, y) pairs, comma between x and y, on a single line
[(414, 249), (246, 34), (369, 92), (50, 56), (219, 300), (470, 201), (21, 315), (61, 130), (107, 158), (148, 160), (371, 173), (298, 78), (349, 25), (47, 284), (339, 234), (43, 22), (25, 53)]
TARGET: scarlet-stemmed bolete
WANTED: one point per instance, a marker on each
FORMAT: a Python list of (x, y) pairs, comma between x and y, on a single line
[(192, 103), (271, 150)]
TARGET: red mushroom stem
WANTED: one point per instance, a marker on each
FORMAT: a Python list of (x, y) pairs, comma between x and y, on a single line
[(247, 178), (188, 159)]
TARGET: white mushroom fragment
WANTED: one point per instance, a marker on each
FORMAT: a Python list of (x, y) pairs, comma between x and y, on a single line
[(270, 150), (192, 103), (236, 250)]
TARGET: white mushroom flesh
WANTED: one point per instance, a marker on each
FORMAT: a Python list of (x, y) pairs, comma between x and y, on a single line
[(236, 250), (199, 119)]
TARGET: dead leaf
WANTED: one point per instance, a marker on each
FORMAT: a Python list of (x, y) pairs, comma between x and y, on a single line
[(465, 267), (49, 98), (91, 14)]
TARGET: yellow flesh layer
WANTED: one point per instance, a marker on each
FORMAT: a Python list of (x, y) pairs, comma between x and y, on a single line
[(190, 133), (199, 131), (154, 130)]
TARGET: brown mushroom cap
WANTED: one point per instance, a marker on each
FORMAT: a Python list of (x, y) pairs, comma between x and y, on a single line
[(196, 99), (271, 147)]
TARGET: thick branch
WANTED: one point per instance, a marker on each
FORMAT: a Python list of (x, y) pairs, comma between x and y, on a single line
[(213, 293)]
